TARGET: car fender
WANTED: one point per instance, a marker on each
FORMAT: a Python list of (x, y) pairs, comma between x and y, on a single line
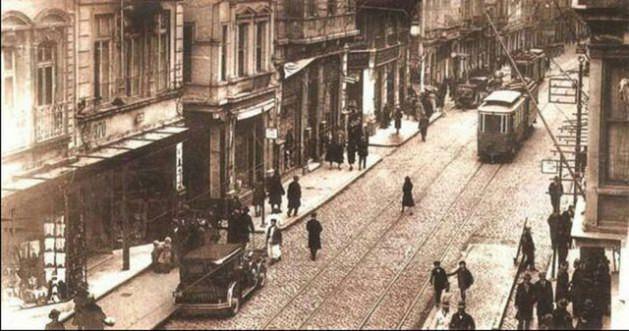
[(230, 292)]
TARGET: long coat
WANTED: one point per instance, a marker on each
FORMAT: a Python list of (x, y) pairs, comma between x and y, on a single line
[(276, 190), (462, 321), (524, 301), (562, 319), (314, 229), (464, 278), (330, 151), (351, 152), (439, 278), (294, 195), (544, 298), (407, 196), (363, 147), (245, 227), (562, 286)]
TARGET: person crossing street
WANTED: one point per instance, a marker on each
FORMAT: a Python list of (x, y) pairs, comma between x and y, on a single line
[(314, 229)]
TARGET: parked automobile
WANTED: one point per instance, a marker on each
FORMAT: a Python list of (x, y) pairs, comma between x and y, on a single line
[(217, 278)]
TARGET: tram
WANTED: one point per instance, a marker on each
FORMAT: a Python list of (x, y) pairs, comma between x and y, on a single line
[(532, 63), (505, 120)]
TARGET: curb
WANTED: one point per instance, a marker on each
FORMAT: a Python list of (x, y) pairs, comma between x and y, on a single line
[(437, 116)]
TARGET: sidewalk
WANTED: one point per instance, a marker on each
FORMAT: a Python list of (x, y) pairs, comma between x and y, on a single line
[(103, 277), (493, 273)]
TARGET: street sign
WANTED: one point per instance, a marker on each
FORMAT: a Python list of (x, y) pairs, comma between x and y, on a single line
[(562, 90), (550, 167), (271, 133)]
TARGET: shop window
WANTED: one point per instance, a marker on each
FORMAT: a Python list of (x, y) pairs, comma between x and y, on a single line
[(162, 45), (242, 49), (102, 57), (261, 47)]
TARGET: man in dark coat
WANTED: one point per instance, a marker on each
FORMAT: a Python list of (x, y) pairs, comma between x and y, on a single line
[(563, 282), (259, 195), (407, 194), (578, 285), (461, 320), (423, 125), (246, 226), (427, 104), (564, 235), (561, 317), (528, 249), (233, 227), (314, 229), (352, 148), (590, 318), (397, 116), (90, 316), (294, 196), (54, 323), (524, 301), (439, 280), (464, 279), (276, 190), (363, 151), (554, 223), (555, 189), (543, 296)]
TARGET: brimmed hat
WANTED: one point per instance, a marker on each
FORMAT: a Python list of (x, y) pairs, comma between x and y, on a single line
[(54, 314)]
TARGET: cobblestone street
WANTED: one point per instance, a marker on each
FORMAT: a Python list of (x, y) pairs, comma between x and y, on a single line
[(373, 271)]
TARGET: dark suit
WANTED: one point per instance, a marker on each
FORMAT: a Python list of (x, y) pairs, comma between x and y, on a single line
[(438, 279), (544, 298), (314, 229), (462, 321), (294, 197), (524, 301)]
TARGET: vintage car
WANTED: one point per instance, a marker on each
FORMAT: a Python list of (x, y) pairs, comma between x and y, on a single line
[(216, 278), (471, 93)]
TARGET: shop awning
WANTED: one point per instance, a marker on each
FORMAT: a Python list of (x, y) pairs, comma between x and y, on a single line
[(291, 68), (91, 163), (255, 110)]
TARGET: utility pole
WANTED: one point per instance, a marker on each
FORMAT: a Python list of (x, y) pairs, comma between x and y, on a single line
[(577, 146), (125, 219)]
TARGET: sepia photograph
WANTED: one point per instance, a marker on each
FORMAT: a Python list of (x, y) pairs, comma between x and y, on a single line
[(315, 164)]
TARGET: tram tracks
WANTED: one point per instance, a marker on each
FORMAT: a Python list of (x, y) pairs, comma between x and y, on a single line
[(392, 203)]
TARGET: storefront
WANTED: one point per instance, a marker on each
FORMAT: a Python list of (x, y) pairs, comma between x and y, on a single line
[(120, 195)]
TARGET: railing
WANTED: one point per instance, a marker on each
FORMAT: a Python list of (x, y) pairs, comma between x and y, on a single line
[(51, 121), (313, 27)]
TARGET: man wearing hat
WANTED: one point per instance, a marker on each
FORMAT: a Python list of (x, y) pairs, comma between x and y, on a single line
[(464, 279), (543, 296), (555, 189), (524, 301), (562, 320), (442, 319), (245, 226), (314, 229), (461, 320), (439, 280), (54, 321)]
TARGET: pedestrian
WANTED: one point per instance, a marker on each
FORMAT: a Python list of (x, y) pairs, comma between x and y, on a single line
[(274, 241), (352, 148), (294, 196), (427, 103), (233, 227), (577, 288), (155, 253), (555, 189), (245, 227), (590, 318), (524, 301), (338, 152), (259, 195), (91, 316), (397, 116), (528, 249), (439, 280), (464, 279), (543, 296), (423, 125), (54, 323), (407, 194), (165, 262), (443, 318), (603, 279), (276, 190), (564, 233), (330, 152), (561, 317), (461, 320), (563, 282), (554, 223), (363, 152), (314, 229)]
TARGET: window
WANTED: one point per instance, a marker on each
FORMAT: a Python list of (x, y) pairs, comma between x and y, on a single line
[(224, 41), (242, 49), (616, 117), (311, 7), (102, 57), (8, 78), (46, 75), (332, 7), (491, 123), (187, 52), (261, 47), (133, 65), (163, 47)]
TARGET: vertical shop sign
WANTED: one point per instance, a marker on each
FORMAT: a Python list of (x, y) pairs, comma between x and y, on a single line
[(179, 168)]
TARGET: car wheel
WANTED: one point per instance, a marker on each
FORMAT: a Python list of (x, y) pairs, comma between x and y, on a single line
[(235, 307)]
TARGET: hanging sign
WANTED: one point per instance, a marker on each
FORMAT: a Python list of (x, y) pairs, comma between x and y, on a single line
[(179, 168), (271, 133), (550, 167), (562, 91)]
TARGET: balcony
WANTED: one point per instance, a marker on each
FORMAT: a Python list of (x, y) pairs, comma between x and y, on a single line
[(317, 29), (51, 121)]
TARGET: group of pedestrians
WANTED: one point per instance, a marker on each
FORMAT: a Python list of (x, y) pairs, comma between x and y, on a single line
[(274, 238), (460, 320), (239, 226), (357, 145)]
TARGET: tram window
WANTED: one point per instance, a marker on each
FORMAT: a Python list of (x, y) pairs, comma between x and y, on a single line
[(491, 123)]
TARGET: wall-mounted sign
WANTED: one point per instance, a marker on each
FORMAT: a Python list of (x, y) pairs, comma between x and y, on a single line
[(562, 90), (550, 167), (179, 167), (272, 133)]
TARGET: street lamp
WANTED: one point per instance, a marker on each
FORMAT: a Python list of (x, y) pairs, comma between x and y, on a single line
[(415, 29)]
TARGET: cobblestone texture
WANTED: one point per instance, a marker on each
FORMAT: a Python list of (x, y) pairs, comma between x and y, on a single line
[(374, 267)]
